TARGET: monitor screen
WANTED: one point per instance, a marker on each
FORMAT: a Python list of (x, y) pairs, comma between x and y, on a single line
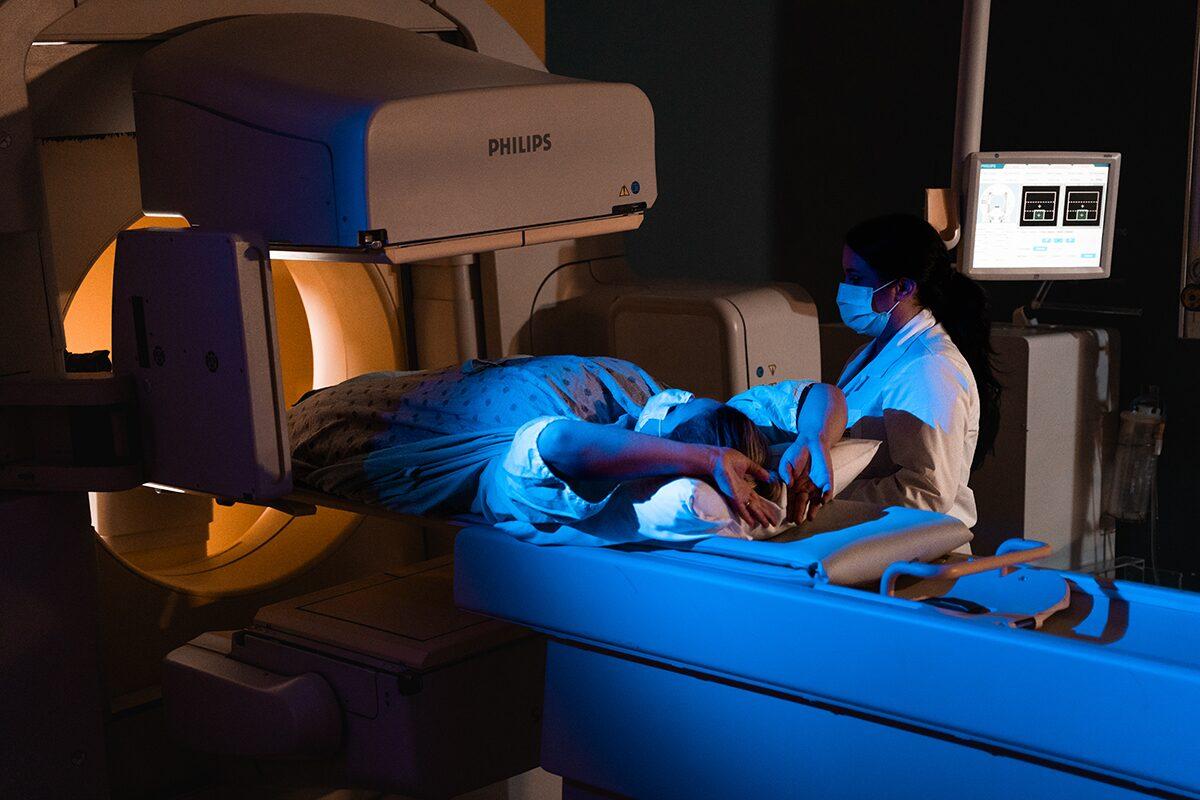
[(1039, 215)]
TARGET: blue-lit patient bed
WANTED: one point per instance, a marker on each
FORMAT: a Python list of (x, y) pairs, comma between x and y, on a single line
[(833, 660), (738, 669), (796, 667)]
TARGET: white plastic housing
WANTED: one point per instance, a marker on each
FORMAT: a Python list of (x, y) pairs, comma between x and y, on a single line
[(194, 324), (718, 341), (315, 129)]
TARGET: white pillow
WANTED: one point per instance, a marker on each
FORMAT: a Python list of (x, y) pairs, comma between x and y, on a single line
[(687, 508), (850, 457), (684, 509)]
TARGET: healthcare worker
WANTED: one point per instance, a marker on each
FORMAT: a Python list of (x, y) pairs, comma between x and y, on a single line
[(924, 384)]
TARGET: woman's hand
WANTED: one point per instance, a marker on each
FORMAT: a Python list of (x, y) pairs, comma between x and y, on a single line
[(807, 469), (586, 451), (736, 475)]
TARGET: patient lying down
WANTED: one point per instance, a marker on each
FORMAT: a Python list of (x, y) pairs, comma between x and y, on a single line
[(567, 449)]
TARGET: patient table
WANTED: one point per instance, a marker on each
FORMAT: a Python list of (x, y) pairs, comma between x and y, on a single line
[(721, 668), (407, 692), (734, 670)]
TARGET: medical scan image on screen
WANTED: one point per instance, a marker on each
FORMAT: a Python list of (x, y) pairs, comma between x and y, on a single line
[(1040, 216)]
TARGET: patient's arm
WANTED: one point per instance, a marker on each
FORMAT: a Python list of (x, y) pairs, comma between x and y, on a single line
[(587, 451)]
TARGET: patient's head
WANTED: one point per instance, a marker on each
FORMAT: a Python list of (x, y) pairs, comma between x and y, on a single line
[(704, 421)]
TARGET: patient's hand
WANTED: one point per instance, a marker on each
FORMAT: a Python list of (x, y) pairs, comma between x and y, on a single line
[(807, 469), (736, 475)]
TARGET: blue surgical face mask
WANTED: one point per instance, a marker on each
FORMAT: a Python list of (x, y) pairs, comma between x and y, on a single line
[(854, 303)]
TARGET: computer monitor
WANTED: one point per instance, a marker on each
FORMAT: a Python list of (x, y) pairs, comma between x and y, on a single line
[(1039, 216)]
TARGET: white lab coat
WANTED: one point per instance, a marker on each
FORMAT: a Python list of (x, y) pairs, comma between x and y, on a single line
[(918, 396)]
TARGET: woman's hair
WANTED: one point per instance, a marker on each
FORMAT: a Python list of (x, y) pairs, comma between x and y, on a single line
[(725, 426), (904, 246)]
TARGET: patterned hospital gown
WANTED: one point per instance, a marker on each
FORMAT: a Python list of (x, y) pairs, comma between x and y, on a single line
[(436, 442)]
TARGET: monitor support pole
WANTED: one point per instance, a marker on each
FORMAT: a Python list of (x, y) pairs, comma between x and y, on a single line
[(1189, 277), (972, 68), (941, 205)]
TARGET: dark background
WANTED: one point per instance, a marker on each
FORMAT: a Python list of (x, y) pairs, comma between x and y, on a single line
[(780, 124)]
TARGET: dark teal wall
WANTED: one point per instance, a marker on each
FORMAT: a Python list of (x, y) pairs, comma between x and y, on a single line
[(868, 116), (709, 69)]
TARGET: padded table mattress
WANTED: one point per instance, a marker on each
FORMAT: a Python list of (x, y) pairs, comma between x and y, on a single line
[(761, 620)]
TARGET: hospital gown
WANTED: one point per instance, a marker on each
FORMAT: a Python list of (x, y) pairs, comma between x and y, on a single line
[(462, 439)]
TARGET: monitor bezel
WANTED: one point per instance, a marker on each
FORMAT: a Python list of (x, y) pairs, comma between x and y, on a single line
[(966, 250)]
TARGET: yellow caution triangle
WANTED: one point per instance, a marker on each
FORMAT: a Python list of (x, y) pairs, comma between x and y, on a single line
[(624, 192)]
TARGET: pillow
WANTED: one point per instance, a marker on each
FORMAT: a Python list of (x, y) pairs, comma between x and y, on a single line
[(688, 508), (850, 458)]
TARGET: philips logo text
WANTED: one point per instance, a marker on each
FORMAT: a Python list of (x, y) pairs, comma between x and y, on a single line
[(512, 145)]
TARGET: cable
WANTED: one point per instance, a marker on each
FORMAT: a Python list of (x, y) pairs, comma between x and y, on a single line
[(1040, 296), (542, 285), (1154, 524)]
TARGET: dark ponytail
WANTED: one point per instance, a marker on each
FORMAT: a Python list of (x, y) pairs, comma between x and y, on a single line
[(904, 246)]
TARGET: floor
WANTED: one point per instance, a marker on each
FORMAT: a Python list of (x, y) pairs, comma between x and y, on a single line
[(533, 785)]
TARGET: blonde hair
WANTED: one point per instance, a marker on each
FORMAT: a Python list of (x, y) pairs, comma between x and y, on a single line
[(725, 426)]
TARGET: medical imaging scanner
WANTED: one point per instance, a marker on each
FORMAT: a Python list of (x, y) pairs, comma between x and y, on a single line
[(166, 566), (835, 663)]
